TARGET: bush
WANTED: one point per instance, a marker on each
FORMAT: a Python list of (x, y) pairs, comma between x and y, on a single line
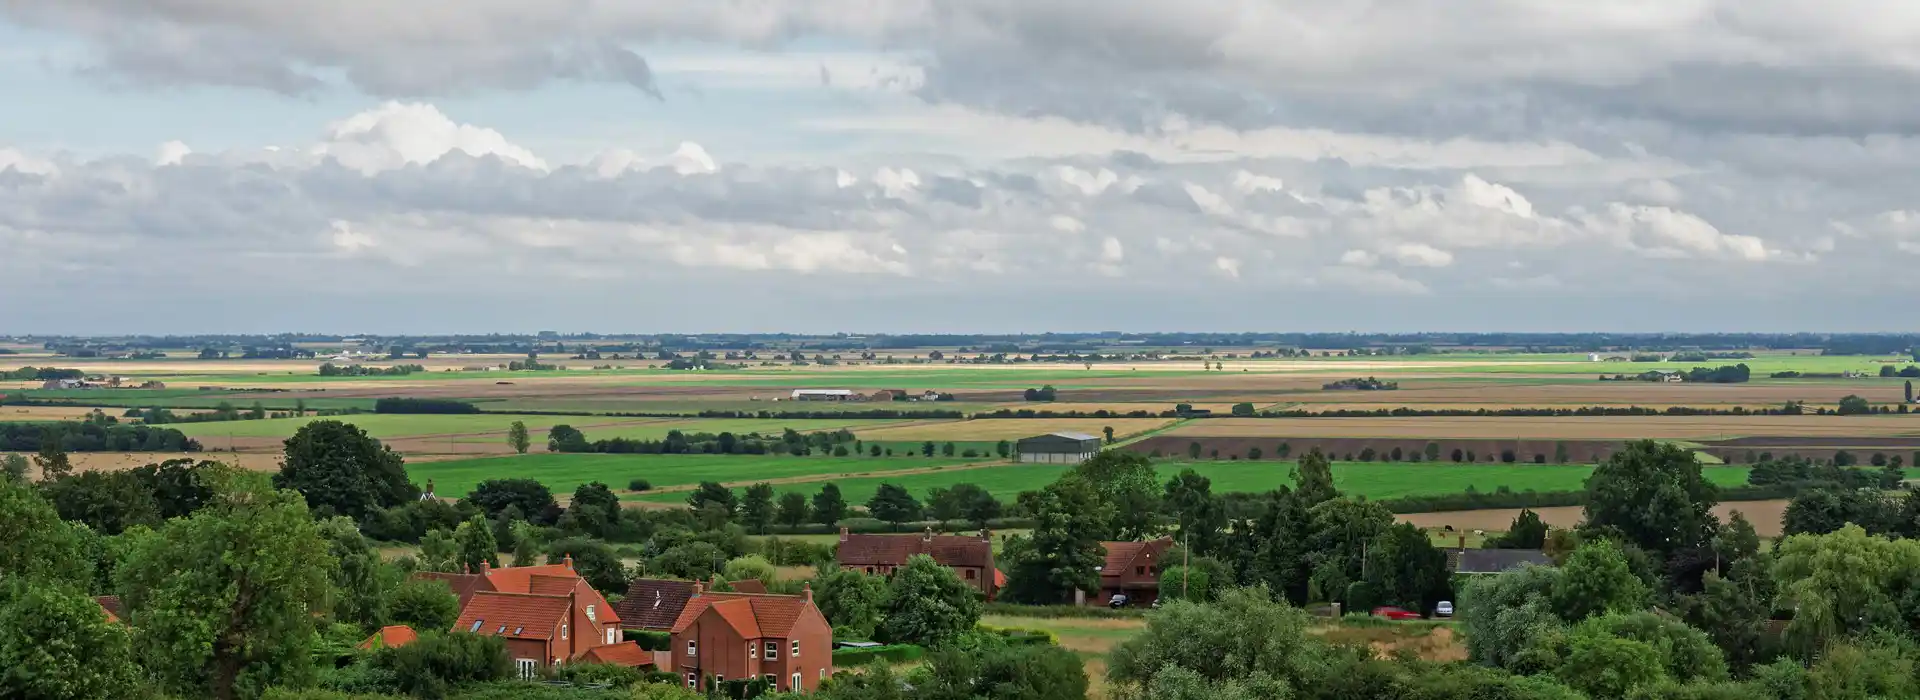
[(613, 675), (1062, 611), (1017, 636), (639, 485), (437, 663), (651, 640), (892, 653)]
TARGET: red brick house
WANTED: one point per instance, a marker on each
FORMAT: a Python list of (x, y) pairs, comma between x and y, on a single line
[(970, 556), (390, 636), (548, 614), (1133, 569), (735, 636)]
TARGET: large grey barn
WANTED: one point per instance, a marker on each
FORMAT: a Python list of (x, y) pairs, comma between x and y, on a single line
[(1057, 448)]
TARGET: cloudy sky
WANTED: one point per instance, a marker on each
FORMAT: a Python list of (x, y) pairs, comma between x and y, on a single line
[(958, 165)]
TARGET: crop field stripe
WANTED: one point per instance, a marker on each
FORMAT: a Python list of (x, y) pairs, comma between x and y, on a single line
[(565, 472)]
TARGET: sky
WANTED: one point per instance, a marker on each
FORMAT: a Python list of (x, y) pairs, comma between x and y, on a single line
[(433, 166)]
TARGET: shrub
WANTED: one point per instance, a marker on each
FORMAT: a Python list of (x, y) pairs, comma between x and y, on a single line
[(1061, 611), (892, 653), (438, 406), (651, 640), (436, 663), (613, 675), (639, 485)]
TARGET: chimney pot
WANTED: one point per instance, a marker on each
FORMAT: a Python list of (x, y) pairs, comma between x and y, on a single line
[(485, 567), (806, 590), (1463, 542), (568, 561), (699, 588), (843, 534)]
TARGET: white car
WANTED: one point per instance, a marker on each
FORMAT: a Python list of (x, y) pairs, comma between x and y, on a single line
[(1444, 609)]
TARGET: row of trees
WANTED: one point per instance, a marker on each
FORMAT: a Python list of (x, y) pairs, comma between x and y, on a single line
[(757, 508)]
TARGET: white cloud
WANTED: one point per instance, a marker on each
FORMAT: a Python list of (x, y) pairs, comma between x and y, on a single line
[(1248, 183), (1208, 201), (171, 153), (1421, 255), (897, 184), (691, 159), (19, 161), (349, 240), (1660, 232), (1370, 280), (615, 162), (1358, 258), (1062, 222), (1111, 251), (1088, 183), (1229, 267), (395, 135)]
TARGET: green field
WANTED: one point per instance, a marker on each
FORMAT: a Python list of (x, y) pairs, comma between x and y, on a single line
[(564, 472), (383, 426), (657, 429), (1375, 480)]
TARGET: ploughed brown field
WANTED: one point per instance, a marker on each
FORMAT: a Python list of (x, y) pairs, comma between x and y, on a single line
[(1766, 517), (1563, 428)]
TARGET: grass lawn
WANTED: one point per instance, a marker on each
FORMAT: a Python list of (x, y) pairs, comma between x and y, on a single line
[(1085, 635), (564, 472), (773, 427), (1374, 480)]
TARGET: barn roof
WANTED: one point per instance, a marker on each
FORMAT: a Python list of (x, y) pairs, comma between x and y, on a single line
[(895, 550), (653, 604)]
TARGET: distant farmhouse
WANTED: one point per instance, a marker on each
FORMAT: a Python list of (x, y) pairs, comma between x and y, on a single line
[(846, 395)]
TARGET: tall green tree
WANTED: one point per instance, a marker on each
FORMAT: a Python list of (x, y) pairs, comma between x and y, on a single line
[(475, 545), (361, 581), (1127, 483), (1063, 554), (517, 437), (712, 493), (223, 602), (829, 508), (1839, 583), (53, 462), (1342, 529), (38, 545), (593, 560), (14, 468), (976, 504), (594, 510), (792, 510), (942, 505), (343, 471), (1596, 580), (1315, 479), (893, 504), (928, 604), (1200, 515), (1528, 531), (853, 602), (423, 604), (1654, 495), (1404, 569), (756, 509), (56, 643), (532, 497)]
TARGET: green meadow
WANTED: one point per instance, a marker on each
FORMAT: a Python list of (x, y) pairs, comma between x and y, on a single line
[(564, 472)]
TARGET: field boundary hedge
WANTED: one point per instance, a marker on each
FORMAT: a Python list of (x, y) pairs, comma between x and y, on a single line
[(892, 653), (1062, 611)]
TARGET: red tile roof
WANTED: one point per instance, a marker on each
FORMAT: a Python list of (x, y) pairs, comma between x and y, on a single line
[(627, 654), (653, 604), (515, 615), (391, 636), (894, 550), (1122, 556), (550, 585), (111, 605), (463, 585), (752, 615)]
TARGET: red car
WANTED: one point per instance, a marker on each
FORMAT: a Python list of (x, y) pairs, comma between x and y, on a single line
[(1393, 613)]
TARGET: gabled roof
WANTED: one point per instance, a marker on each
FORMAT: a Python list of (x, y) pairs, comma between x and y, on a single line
[(513, 615), (894, 550), (1124, 555), (749, 614), (627, 654), (111, 605), (653, 604), (1493, 561), (391, 636), (1074, 436), (549, 579)]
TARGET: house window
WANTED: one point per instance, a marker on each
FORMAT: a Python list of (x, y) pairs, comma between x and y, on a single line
[(590, 616), (1139, 571), (526, 667), (796, 682), (693, 648), (476, 626), (773, 651), (773, 682), (869, 570), (970, 574), (753, 650), (613, 636), (693, 680), (563, 632), (796, 648)]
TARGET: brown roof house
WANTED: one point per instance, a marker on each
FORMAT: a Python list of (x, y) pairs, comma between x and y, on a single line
[(1132, 569), (970, 556), (548, 614), (782, 639), (390, 636)]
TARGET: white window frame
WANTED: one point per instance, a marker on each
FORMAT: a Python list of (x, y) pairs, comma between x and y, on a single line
[(773, 651), (563, 633), (753, 649), (611, 634), (590, 617), (796, 650), (693, 680), (796, 682), (526, 667), (693, 648)]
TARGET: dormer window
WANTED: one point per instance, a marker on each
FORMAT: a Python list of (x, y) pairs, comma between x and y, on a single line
[(476, 626), (590, 617)]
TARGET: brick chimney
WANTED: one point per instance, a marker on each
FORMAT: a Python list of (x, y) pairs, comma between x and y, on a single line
[(485, 567), (928, 537), (699, 588), (1463, 543), (568, 561), (843, 534), (806, 590)]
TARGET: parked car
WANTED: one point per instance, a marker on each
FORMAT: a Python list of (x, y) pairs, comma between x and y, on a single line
[(1393, 613), (1118, 601), (1444, 609)]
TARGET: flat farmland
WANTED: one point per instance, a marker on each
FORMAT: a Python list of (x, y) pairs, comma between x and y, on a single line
[(992, 429), (1570, 428), (1591, 392), (391, 426), (117, 461), (47, 413), (1767, 517), (1371, 479), (564, 472)]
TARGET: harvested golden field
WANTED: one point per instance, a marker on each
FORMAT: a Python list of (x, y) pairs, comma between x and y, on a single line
[(1009, 429), (1570, 427), (40, 413), (1560, 393), (115, 461), (1766, 516)]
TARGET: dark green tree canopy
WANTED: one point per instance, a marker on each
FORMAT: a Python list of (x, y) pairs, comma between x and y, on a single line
[(1654, 496), (341, 470)]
